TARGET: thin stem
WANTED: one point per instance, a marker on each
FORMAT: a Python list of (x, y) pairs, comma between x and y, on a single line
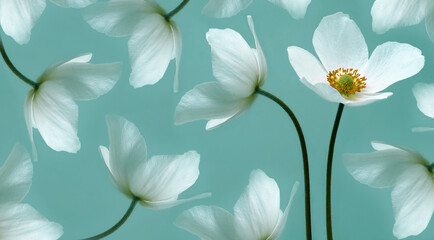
[(169, 15), (119, 224), (33, 84), (304, 153), (329, 171), (431, 167)]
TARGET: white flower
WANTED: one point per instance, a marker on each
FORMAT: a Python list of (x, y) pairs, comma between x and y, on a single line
[(229, 8), (51, 108), (154, 40), (387, 14), (157, 181), (345, 74), (409, 173), (424, 94), (239, 70), (257, 214), (17, 17), (20, 221)]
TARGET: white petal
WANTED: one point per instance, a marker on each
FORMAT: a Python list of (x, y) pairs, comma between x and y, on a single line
[(361, 99), (422, 129), (15, 175), (387, 14), (208, 101), (339, 43), (151, 48), (383, 146), (325, 91), (22, 222), (17, 17), (28, 115), (86, 81), (225, 8), (164, 177), (127, 151), (260, 58), (177, 48), (389, 63), (429, 23), (297, 8), (207, 222), (73, 3), (424, 94), (306, 65), (257, 211), (56, 117), (119, 18), (382, 168), (164, 204), (282, 221), (234, 63), (412, 200), (121, 186)]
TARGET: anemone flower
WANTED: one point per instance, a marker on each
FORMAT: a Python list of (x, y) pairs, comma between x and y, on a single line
[(409, 173), (20, 221), (257, 214), (424, 94), (17, 17), (228, 8), (155, 39), (239, 70), (50, 106), (387, 14), (155, 182), (344, 73)]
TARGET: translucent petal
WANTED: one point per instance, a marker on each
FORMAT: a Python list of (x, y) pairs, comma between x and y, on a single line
[(225, 8)]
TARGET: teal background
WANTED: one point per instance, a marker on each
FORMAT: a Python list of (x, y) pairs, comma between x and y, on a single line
[(75, 190)]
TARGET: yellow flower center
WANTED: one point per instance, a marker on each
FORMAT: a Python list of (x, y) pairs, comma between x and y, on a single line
[(346, 80)]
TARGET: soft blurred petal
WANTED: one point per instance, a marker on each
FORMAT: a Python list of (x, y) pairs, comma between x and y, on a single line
[(389, 63), (412, 200), (257, 211), (22, 222), (234, 63), (361, 99), (306, 65), (121, 186), (325, 91), (164, 177), (225, 8), (429, 23), (260, 58), (73, 3), (207, 222), (17, 17), (164, 204), (297, 8), (151, 48), (177, 52), (15, 176), (28, 115), (387, 14), (55, 115), (339, 43), (424, 94), (422, 129)]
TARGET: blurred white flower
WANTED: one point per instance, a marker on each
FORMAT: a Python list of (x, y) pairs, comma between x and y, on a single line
[(345, 74), (257, 214), (157, 181), (20, 221), (424, 94), (154, 39), (387, 14), (239, 70), (17, 17), (409, 173), (51, 109), (229, 8)]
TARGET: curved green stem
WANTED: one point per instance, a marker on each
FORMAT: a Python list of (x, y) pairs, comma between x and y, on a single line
[(172, 13), (25, 79), (117, 225), (329, 171), (304, 154), (431, 167)]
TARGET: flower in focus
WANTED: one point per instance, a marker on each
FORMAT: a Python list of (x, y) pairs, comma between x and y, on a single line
[(17, 17), (51, 109), (239, 70), (154, 40), (424, 94), (157, 181), (257, 214), (20, 221), (409, 173), (345, 74), (228, 8), (388, 14)]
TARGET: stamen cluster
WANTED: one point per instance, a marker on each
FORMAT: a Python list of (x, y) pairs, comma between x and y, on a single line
[(346, 80)]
